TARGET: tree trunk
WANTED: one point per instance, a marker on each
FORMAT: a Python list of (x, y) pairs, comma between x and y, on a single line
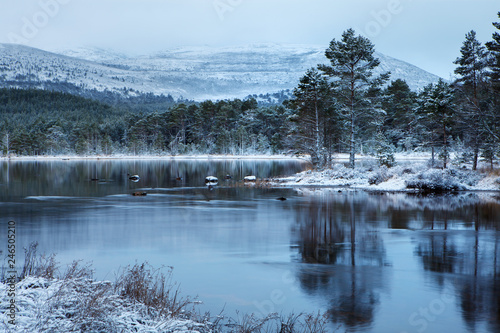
[(318, 145), (476, 157), (352, 141), (476, 148), (445, 142), (432, 156), (7, 144), (353, 233), (351, 148)]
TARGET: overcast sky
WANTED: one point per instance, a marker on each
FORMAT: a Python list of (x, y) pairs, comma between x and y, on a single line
[(427, 33)]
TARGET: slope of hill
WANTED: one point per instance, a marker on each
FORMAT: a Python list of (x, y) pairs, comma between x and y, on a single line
[(196, 73)]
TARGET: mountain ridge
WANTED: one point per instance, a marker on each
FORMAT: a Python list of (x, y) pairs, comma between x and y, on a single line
[(196, 73)]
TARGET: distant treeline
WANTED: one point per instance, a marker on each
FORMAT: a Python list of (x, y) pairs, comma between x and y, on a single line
[(40, 122), (126, 98)]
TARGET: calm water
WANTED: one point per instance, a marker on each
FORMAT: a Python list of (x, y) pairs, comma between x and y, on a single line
[(374, 262)]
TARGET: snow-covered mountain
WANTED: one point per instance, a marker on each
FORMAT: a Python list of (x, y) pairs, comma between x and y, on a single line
[(196, 73)]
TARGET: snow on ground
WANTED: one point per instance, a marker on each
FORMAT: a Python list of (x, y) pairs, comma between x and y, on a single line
[(74, 305), (406, 177), (148, 157)]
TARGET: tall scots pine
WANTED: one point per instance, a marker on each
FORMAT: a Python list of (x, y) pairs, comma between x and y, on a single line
[(472, 93), (438, 112), (494, 75), (494, 48), (351, 69)]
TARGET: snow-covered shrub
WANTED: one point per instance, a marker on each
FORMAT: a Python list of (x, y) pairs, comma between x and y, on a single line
[(464, 157), (379, 176), (435, 180), (464, 176), (407, 171), (83, 305), (339, 171), (387, 159), (404, 170), (497, 181)]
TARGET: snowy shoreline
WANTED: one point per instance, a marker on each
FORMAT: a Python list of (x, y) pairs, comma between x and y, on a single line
[(305, 158), (152, 157), (414, 177)]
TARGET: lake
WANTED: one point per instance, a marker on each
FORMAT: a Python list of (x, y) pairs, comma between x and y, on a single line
[(376, 262)]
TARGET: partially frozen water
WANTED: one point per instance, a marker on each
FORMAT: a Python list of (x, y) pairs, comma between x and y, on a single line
[(375, 262)]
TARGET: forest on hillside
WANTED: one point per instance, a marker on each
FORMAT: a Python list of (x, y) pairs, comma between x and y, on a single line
[(336, 108)]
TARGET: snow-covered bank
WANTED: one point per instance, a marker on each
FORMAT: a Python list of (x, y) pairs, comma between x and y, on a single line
[(142, 299), (409, 177), (80, 304), (306, 158), (150, 157)]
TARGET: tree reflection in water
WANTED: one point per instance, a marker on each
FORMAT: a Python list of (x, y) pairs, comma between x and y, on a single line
[(334, 231), (456, 243), (468, 260)]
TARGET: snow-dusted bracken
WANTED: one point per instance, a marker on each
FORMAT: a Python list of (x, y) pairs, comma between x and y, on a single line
[(81, 304)]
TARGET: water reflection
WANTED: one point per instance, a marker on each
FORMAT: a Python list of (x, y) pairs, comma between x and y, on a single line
[(334, 231), (469, 262), (98, 178), (331, 231), (88, 178), (456, 241)]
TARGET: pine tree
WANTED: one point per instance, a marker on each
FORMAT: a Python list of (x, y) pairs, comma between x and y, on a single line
[(494, 76), (400, 124), (179, 123), (384, 150), (438, 109), (472, 92), (351, 69), (494, 48), (471, 63), (310, 103)]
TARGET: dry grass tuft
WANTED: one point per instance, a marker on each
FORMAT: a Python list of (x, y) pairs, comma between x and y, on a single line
[(250, 323), (273, 323), (38, 265), (489, 171), (151, 287)]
